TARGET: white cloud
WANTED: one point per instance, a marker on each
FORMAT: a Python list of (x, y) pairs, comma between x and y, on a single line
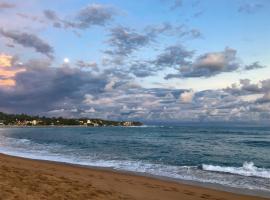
[(187, 96)]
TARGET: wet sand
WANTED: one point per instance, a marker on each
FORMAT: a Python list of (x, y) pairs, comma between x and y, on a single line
[(26, 179)]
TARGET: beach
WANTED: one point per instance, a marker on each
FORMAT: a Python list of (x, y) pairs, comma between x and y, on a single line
[(28, 179)]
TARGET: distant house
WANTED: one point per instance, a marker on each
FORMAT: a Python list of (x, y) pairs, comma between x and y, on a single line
[(34, 122), (127, 124), (1, 122)]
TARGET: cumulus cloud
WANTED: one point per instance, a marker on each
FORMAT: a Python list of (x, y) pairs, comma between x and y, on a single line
[(187, 97), (212, 63), (8, 71), (209, 64), (246, 87), (29, 40)]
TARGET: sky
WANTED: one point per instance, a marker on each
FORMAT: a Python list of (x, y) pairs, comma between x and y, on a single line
[(152, 61)]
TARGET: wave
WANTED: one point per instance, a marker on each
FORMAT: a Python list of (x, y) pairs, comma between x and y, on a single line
[(248, 169)]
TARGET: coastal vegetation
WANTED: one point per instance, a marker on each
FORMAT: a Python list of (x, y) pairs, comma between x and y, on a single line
[(28, 120)]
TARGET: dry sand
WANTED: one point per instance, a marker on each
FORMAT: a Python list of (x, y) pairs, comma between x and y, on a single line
[(25, 179)]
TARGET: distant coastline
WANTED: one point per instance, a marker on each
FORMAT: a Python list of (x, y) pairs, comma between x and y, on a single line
[(23, 120), (61, 126)]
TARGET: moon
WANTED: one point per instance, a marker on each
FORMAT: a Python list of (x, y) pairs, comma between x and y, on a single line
[(66, 60)]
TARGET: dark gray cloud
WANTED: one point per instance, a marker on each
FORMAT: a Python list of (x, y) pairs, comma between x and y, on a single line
[(29, 40), (250, 7), (125, 41), (173, 56), (42, 87)]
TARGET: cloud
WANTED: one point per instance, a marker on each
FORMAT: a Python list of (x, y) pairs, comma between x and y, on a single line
[(264, 99), (154, 30), (250, 8), (174, 3), (51, 15), (8, 71), (246, 87), (125, 41), (209, 64), (91, 15), (6, 5), (168, 29), (31, 17), (29, 40), (177, 4), (173, 56), (87, 65), (111, 84), (141, 69), (42, 87), (94, 14), (187, 97), (71, 92), (255, 65), (212, 63)]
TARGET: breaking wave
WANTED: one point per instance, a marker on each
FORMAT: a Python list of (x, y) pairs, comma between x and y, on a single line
[(248, 169)]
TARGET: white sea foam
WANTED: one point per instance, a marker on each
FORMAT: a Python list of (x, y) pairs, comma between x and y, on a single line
[(248, 169)]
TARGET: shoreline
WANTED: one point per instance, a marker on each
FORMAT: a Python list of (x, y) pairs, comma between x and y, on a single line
[(137, 185), (65, 126)]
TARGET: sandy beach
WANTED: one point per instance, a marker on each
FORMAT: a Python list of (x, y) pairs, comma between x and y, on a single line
[(27, 179)]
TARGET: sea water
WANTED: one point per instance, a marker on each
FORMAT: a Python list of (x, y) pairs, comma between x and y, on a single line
[(235, 157)]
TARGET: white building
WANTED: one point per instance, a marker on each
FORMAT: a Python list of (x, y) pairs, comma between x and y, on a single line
[(34, 122)]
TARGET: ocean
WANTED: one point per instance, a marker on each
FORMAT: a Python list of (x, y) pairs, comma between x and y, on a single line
[(234, 157)]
